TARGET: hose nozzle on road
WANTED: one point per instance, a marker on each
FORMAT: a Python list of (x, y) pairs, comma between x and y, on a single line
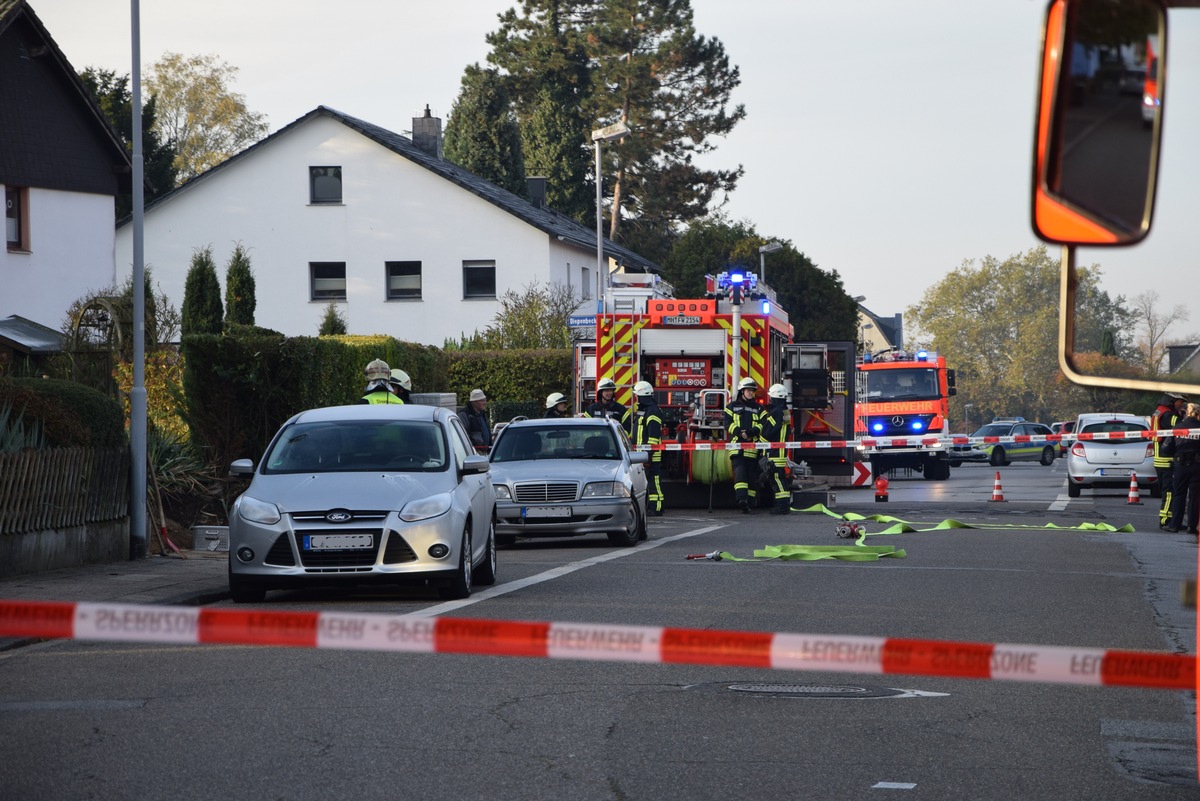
[(715, 556)]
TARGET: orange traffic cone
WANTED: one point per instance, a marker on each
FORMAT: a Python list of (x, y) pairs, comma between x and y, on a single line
[(997, 492), (1134, 497)]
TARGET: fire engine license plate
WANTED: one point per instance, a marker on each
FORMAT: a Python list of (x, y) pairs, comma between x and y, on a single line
[(545, 511), (337, 542)]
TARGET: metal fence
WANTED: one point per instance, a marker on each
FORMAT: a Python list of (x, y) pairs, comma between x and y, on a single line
[(61, 487)]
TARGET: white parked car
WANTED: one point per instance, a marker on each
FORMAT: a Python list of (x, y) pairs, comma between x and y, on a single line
[(381, 493), (1095, 463)]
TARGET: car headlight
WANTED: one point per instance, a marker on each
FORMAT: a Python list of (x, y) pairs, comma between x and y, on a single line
[(425, 508), (257, 511), (606, 489), (502, 493)]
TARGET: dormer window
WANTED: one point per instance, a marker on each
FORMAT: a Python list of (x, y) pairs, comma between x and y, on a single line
[(324, 185)]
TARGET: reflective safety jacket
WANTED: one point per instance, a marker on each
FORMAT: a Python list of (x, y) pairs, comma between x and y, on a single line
[(773, 424), (647, 426), (743, 422), (381, 396)]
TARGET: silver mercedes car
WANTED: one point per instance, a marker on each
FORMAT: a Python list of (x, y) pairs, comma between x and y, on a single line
[(364, 494), (568, 477)]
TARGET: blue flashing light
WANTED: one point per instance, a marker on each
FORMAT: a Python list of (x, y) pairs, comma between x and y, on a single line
[(877, 427), (766, 307), (867, 357), (917, 425), (736, 278), (922, 355)]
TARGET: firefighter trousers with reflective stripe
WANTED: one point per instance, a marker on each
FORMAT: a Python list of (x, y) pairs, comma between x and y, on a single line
[(1166, 480), (654, 493), (745, 475), (783, 496)]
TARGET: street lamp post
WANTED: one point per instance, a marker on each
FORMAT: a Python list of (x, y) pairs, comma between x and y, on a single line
[(967, 416), (609, 133), (770, 247)]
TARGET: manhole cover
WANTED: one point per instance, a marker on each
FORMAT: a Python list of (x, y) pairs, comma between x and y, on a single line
[(817, 690)]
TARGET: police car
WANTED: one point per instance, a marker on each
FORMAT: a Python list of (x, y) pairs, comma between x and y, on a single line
[(1005, 452)]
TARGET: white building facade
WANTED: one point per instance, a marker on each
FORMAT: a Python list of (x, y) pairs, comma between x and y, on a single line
[(332, 209)]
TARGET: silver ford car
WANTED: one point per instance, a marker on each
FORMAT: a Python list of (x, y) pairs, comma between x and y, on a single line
[(364, 494)]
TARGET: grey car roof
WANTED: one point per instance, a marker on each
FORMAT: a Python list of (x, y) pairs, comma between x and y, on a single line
[(372, 411)]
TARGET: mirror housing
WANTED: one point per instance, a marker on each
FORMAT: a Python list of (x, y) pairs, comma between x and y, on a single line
[(1099, 121)]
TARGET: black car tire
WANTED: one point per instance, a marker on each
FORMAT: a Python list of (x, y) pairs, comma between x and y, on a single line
[(996, 458), (245, 591), (626, 538), (955, 463), (460, 586), (1072, 489), (485, 575), (1047, 456)]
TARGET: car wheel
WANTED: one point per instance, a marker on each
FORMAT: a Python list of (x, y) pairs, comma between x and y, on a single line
[(485, 576), (1047, 456), (643, 529), (1072, 489), (245, 591), (997, 457), (628, 536), (460, 585), (955, 463)]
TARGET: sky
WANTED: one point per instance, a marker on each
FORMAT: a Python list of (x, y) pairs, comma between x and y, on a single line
[(888, 141)]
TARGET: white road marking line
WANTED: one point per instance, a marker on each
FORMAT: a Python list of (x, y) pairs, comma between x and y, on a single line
[(894, 786), (1059, 504), (558, 572)]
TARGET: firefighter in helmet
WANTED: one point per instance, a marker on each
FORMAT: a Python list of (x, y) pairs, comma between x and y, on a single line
[(379, 386), (556, 405), (774, 423), (647, 430), (742, 418), (606, 404), (401, 385)]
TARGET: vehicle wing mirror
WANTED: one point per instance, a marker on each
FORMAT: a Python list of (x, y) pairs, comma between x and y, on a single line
[(1098, 134)]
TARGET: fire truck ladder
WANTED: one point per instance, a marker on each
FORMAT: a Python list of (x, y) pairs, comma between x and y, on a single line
[(625, 372)]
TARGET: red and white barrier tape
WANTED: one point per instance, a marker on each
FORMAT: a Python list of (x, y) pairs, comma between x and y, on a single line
[(598, 642), (925, 442)]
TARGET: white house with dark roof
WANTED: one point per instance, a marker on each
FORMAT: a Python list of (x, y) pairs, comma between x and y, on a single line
[(331, 208), (61, 167)]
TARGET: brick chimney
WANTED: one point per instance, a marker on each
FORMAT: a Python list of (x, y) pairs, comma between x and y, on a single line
[(427, 133)]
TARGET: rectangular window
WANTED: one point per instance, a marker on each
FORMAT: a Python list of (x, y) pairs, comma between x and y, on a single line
[(16, 217), (403, 279), (585, 284), (325, 184), (479, 279), (327, 279)]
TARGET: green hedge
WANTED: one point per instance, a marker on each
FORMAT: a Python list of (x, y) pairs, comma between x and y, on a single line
[(72, 415), (241, 386)]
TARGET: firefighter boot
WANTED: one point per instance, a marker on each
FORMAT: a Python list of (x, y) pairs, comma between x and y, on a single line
[(781, 509)]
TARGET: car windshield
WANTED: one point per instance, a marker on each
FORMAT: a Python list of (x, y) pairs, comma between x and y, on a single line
[(556, 442), (358, 446), (994, 430)]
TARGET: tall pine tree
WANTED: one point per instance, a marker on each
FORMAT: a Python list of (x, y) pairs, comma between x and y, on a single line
[(239, 288), (482, 134), (202, 312)]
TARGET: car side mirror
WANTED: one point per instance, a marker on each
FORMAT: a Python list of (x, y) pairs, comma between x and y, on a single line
[(639, 457), (1097, 143), (475, 464), (241, 467)]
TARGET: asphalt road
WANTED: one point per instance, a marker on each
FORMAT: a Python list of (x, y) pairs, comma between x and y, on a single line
[(116, 721)]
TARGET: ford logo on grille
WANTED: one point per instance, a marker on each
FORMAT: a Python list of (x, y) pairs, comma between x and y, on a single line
[(339, 516), (898, 421)]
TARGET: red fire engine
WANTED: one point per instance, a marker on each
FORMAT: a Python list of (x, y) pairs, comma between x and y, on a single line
[(694, 351), (905, 396)]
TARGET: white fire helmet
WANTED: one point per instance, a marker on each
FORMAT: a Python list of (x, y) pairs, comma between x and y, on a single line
[(400, 377), (747, 383), (643, 389), (777, 391), (378, 370), (555, 398), (606, 383)]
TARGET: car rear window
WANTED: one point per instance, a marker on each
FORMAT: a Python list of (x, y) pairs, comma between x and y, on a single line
[(1111, 426)]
